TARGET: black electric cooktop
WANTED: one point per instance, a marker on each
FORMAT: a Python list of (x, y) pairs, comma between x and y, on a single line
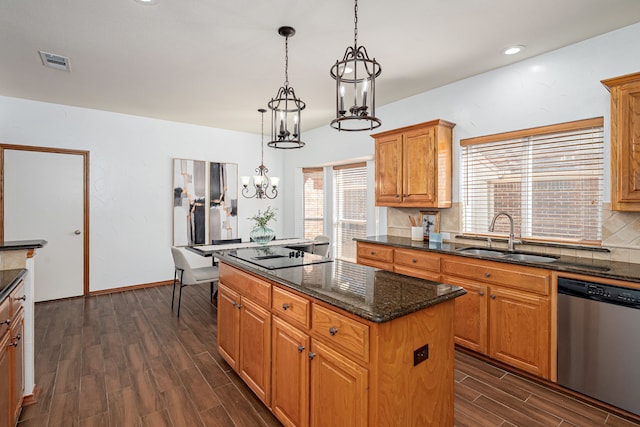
[(277, 257)]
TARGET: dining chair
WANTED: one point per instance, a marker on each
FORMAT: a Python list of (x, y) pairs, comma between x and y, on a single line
[(186, 275), (321, 245)]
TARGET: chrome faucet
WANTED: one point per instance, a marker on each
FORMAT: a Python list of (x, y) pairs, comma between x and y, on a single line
[(493, 223)]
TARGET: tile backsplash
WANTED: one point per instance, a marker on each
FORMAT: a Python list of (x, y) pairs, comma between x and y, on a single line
[(620, 232)]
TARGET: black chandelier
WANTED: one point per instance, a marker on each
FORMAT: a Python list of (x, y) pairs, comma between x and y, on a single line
[(285, 107), (263, 186), (355, 78)]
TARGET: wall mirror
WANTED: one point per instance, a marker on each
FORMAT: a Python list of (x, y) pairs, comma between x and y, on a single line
[(205, 201)]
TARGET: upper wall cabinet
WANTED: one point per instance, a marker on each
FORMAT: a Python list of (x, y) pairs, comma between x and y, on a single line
[(413, 165), (625, 142)]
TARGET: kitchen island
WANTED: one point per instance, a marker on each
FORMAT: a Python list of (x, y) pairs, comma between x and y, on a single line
[(333, 343)]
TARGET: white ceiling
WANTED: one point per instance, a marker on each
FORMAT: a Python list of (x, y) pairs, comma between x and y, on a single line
[(214, 62)]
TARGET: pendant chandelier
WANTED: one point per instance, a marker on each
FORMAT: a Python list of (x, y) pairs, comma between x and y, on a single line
[(263, 186), (355, 78), (285, 107)]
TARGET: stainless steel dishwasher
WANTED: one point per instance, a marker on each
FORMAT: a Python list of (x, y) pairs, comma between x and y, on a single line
[(599, 342)]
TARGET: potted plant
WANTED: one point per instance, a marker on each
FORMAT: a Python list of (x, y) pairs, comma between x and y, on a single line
[(260, 233)]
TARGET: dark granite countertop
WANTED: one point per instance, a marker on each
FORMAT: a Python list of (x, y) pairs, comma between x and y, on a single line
[(21, 244), (9, 280), (596, 268), (375, 295)]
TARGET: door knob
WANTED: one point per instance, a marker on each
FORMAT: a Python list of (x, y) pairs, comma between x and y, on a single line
[(77, 232)]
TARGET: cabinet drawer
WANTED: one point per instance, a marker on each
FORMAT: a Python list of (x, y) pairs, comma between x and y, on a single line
[(375, 252), (291, 306), (417, 259), (247, 285), (509, 275), (340, 331), (5, 316), (17, 297)]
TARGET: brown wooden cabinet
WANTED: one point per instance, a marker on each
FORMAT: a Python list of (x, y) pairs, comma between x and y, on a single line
[(244, 339), (255, 348), (410, 262), (228, 325), (413, 165), (328, 367), (338, 389), (506, 313), (6, 416), (16, 353), (290, 374), (625, 144), (12, 356)]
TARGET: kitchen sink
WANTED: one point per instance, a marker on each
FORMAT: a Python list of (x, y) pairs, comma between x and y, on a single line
[(497, 253), (530, 257), (482, 252)]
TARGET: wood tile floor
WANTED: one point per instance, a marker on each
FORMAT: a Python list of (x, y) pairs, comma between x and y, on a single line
[(125, 359)]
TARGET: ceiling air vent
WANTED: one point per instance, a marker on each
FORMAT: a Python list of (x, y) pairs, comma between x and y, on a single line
[(52, 60)]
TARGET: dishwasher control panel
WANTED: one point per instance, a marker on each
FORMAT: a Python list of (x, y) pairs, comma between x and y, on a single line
[(601, 292)]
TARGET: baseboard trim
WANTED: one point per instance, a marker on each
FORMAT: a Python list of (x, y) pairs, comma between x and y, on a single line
[(32, 398), (132, 287)]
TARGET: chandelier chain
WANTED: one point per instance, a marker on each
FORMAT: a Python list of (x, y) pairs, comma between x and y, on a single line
[(286, 61), (355, 22), (262, 139)]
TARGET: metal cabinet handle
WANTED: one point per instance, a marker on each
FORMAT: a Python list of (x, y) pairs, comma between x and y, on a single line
[(414, 260), (300, 348), (481, 293), (493, 296), (333, 330), (16, 341), (22, 298), (285, 306), (311, 355), (6, 322), (77, 232), (234, 303), (239, 306), (373, 253), (487, 274)]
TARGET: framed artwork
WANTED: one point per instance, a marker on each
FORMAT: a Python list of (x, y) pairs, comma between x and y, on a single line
[(430, 222), (205, 201)]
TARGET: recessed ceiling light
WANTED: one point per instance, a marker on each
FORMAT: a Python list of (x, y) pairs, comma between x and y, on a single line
[(512, 50), (147, 2)]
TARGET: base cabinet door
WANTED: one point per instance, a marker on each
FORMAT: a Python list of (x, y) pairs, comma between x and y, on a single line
[(520, 330), (290, 370), (470, 315), (255, 348), (17, 360), (6, 417), (339, 389), (228, 325)]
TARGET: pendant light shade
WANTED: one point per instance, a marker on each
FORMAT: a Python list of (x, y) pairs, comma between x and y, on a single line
[(355, 77), (286, 107)]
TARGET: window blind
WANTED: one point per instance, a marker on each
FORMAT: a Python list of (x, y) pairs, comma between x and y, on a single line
[(313, 202), (350, 208), (549, 179)]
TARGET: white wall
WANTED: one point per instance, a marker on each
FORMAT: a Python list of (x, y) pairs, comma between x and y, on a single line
[(560, 86), (131, 179)]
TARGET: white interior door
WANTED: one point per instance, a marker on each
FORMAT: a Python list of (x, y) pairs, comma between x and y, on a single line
[(43, 199)]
